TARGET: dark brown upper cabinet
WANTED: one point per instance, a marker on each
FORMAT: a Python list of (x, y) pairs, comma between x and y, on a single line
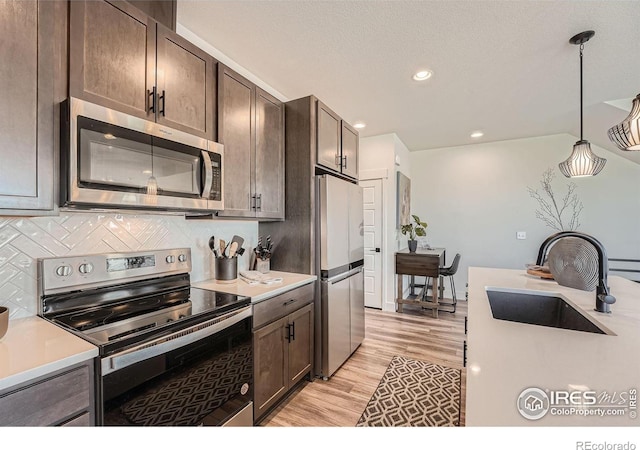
[(33, 48), (337, 142), (162, 11), (251, 128), (122, 59), (329, 137), (350, 150)]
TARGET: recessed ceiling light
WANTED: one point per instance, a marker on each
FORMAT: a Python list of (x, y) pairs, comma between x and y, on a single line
[(423, 75), (359, 125), (109, 136), (477, 134)]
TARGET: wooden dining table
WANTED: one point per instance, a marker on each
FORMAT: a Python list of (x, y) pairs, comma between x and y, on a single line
[(422, 262)]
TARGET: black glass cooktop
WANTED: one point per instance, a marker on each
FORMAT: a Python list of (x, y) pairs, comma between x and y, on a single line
[(120, 316)]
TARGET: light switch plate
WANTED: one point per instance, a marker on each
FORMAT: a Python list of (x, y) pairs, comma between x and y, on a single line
[(521, 235)]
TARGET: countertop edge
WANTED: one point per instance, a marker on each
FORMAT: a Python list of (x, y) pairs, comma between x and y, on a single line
[(282, 290), (46, 369)]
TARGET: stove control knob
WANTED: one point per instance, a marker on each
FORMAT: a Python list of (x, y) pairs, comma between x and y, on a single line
[(182, 258), (171, 259), (63, 271), (86, 268)]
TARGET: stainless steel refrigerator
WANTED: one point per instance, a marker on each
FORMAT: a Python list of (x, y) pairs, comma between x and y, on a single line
[(340, 248)]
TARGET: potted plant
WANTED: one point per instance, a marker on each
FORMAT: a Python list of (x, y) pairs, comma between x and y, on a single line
[(419, 229)]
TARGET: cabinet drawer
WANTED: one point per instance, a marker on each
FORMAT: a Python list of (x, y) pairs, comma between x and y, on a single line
[(47, 402), (83, 420), (279, 306)]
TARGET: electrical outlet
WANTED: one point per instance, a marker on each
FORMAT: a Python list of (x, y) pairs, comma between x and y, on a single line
[(521, 235)]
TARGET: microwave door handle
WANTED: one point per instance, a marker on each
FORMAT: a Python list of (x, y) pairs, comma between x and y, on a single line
[(208, 174)]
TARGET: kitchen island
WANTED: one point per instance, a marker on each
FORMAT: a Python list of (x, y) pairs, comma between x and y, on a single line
[(587, 379)]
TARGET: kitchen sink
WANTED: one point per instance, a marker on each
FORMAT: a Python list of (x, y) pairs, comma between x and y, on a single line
[(538, 308)]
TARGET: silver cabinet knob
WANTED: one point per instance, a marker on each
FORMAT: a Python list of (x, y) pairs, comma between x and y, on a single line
[(171, 259), (182, 258), (85, 268), (63, 271)]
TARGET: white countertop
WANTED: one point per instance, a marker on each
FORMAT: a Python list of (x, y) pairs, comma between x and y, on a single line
[(505, 358), (34, 347), (259, 292)]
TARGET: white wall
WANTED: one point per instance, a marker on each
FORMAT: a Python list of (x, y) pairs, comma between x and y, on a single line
[(378, 160), (475, 199)]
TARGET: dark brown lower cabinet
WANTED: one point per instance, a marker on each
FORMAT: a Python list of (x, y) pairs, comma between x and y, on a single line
[(283, 355), (64, 398)]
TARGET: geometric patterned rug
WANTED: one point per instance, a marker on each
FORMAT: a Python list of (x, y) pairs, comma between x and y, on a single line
[(414, 394)]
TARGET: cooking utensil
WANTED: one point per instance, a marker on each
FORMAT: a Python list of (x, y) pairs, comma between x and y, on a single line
[(212, 245), (238, 239), (232, 249), (223, 247)]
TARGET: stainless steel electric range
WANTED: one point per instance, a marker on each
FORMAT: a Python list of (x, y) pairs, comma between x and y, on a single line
[(169, 354)]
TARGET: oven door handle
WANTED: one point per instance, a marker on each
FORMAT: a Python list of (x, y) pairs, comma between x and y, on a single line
[(208, 174), (172, 341)]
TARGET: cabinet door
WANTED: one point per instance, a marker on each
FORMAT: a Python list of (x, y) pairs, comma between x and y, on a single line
[(112, 56), (27, 108), (269, 156), (49, 401), (186, 89), (328, 150), (236, 132), (301, 344), (350, 144), (269, 365), (163, 11)]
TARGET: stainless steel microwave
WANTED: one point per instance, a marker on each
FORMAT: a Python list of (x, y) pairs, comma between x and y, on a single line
[(114, 160)]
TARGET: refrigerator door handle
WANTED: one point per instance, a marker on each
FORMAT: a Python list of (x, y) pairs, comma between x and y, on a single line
[(343, 276)]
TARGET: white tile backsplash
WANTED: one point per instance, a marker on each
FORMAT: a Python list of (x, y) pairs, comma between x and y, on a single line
[(24, 240)]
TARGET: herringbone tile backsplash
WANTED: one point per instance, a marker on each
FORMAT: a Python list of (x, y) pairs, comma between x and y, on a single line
[(24, 240)]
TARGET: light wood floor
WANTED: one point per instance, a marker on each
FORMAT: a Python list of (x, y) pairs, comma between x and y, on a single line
[(341, 400)]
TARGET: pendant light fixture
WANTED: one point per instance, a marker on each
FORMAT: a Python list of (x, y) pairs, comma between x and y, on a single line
[(626, 135), (152, 183), (582, 162)]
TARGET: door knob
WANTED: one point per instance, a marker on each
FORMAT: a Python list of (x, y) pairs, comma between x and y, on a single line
[(377, 249)]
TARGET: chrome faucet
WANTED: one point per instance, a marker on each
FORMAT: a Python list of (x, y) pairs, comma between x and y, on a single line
[(604, 299)]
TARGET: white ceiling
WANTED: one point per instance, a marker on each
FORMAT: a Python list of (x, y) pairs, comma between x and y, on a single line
[(504, 67)]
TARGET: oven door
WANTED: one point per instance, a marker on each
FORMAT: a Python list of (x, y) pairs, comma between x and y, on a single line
[(199, 376), (116, 160)]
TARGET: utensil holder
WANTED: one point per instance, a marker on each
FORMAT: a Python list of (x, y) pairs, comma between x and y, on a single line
[(4, 320), (263, 265), (226, 270)]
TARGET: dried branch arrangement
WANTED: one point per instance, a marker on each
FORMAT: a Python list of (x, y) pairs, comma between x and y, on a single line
[(552, 212)]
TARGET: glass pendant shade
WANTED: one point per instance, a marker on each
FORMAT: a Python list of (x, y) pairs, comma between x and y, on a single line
[(626, 135), (582, 162), (152, 186)]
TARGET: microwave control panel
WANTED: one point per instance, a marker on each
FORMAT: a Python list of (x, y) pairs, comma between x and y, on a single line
[(216, 185)]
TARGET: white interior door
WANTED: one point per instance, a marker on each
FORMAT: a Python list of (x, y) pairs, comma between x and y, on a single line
[(372, 215)]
